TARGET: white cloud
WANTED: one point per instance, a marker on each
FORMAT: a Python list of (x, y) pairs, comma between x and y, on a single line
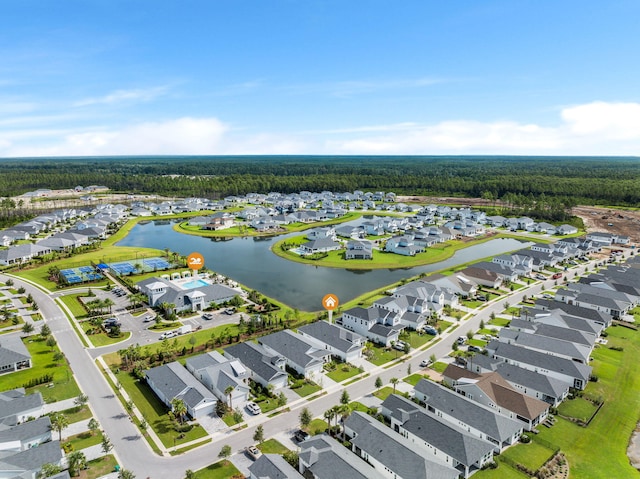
[(597, 128), (122, 96)]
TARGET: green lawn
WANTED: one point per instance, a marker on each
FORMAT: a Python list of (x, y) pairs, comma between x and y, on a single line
[(75, 415), (578, 408), (599, 450), (273, 446), (383, 393), (382, 355), (499, 322), (220, 470), (532, 455), (343, 372), (102, 338), (503, 471), (268, 404), (438, 367), (99, 467), (415, 378), (307, 389), (317, 426), (155, 413), (64, 385), (72, 302), (84, 440), (481, 343)]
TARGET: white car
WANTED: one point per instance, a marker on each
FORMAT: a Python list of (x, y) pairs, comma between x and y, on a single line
[(168, 334), (148, 318), (253, 408), (399, 345), (425, 363)]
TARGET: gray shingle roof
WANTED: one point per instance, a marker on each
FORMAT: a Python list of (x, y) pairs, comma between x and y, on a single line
[(333, 335), (476, 415), (326, 456), (26, 430), (394, 451), (294, 347), (175, 381), (442, 435), (14, 405), (546, 344), (33, 459), (255, 358), (273, 466), (543, 383), (12, 350)]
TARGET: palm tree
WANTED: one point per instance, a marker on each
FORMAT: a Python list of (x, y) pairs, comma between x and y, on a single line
[(345, 412), (108, 303), (394, 381), (76, 460), (229, 391), (329, 415), (126, 474), (59, 422), (179, 408)]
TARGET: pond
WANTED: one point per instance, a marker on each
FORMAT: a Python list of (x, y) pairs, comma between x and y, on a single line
[(250, 262)]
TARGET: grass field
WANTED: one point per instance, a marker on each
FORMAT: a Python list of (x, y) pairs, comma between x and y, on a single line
[(273, 446), (155, 413), (220, 470), (599, 450), (577, 408), (343, 372), (532, 455), (64, 385)]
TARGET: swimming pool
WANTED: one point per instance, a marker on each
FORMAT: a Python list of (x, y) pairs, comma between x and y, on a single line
[(195, 283)]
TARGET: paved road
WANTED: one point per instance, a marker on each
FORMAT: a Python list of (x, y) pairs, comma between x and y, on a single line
[(135, 454)]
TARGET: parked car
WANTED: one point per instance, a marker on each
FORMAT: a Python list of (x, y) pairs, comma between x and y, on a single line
[(481, 297), (425, 363), (168, 334), (253, 452), (229, 310), (253, 408), (547, 296), (300, 435), (399, 345), (461, 361), (556, 276), (474, 349), (541, 277), (148, 318), (431, 330), (461, 339), (110, 322), (207, 316)]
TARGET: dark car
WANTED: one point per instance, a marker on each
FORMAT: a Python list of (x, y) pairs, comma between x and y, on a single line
[(300, 435), (474, 349)]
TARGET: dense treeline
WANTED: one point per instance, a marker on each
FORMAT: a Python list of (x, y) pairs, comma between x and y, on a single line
[(614, 181)]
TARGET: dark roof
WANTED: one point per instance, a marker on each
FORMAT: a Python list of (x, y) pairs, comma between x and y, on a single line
[(333, 335), (256, 358), (273, 466)]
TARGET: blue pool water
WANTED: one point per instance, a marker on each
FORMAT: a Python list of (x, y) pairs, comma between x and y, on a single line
[(196, 283)]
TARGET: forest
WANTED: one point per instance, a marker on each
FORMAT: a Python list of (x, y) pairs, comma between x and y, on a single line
[(563, 181)]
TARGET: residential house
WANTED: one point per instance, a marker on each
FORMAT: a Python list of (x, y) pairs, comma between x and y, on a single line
[(393, 455), (519, 264), (172, 381), (25, 435), (456, 283), (17, 407), (376, 324), (531, 383), (321, 456), (161, 290), (545, 344), (483, 277), (301, 355), (564, 369), (600, 318), (412, 312), (494, 391), (272, 466), (226, 378), (323, 245), (361, 249), (403, 245), (28, 463), (340, 342), (265, 368), (478, 419), (437, 437), (13, 354)]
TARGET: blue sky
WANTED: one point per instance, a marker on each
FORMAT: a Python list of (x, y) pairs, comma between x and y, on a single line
[(113, 77)]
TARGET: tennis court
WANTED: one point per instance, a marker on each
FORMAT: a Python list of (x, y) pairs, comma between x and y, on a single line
[(80, 275), (139, 266)]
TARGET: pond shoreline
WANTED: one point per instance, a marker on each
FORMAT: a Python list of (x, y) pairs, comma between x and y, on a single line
[(633, 450)]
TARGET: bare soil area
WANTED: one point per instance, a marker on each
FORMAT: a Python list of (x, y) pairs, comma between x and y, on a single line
[(595, 218)]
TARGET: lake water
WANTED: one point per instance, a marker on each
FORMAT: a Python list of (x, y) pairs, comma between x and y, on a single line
[(250, 262)]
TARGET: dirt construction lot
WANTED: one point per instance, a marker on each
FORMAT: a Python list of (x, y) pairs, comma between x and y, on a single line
[(618, 221)]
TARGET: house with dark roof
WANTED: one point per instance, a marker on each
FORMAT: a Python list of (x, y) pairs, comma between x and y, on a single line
[(14, 355), (272, 466), (28, 463), (531, 383), (483, 277), (301, 355), (600, 318), (559, 318), (265, 368), (173, 381), (218, 374), (359, 249), (545, 344), (437, 437), (340, 342), (321, 245), (17, 407), (392, 454), (25, 435), (494, 391), (478, 419), (321, 456), (564, 369)]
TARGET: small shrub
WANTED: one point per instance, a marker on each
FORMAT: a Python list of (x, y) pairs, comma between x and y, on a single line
[(524, 439)]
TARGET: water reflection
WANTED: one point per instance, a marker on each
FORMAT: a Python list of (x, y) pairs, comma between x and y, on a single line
[(299, 285)]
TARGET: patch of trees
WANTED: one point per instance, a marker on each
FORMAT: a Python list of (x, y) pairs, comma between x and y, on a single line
[(568, 179)]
